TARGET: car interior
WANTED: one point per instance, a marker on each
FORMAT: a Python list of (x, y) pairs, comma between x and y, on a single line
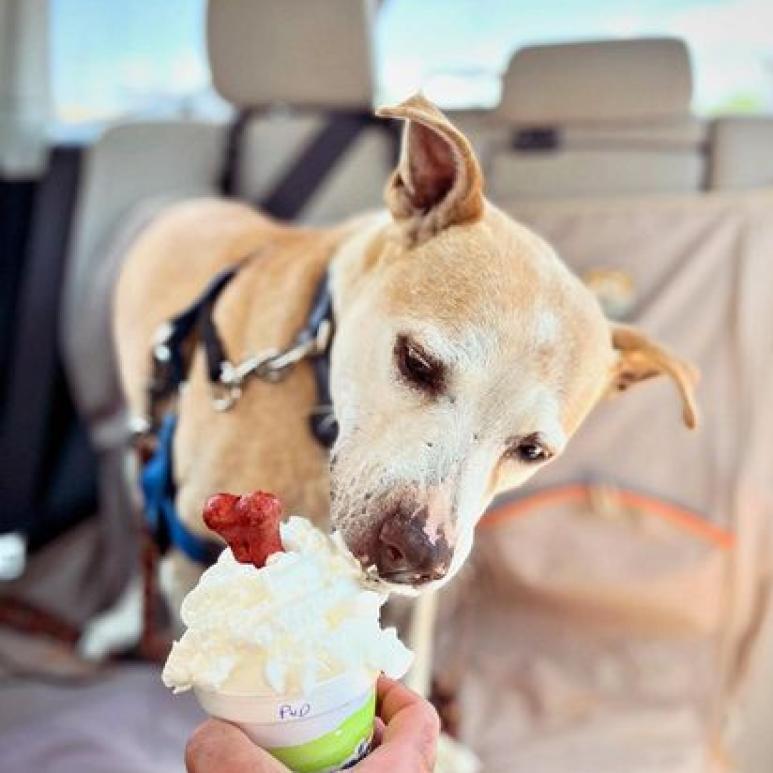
[(626, 624)]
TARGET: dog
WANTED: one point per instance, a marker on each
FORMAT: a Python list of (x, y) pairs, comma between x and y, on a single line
[(466, 355)]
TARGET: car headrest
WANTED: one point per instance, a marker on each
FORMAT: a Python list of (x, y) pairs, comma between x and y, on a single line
[(611, 80), (309, 53)]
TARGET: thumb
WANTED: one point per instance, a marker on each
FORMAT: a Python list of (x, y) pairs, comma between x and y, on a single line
[(219, 747)]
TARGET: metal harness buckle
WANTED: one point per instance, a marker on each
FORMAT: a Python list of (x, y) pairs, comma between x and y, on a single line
[(271, 365)]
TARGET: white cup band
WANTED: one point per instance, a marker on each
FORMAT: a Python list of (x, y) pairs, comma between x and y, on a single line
[(283, 709)]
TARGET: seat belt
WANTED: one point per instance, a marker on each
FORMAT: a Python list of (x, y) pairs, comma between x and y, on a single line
[(311, 166)]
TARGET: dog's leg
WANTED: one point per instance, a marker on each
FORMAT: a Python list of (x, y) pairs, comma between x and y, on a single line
[(116, 629), (177, 575)]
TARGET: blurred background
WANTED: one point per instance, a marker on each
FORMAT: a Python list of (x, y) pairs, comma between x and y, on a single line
[(637, 137), (118, 60)]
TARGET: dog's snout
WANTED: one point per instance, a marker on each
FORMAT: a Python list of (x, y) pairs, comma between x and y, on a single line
[(408, 553)]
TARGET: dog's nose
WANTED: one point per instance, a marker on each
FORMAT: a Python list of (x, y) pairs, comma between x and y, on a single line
[(406, 553)]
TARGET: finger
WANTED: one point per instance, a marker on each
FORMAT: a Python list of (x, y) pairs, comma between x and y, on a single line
[(394, 697), (219, 747), (410, 737)]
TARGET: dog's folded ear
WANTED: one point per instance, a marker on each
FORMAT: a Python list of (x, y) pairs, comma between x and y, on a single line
[(641, 358), (438, 181)]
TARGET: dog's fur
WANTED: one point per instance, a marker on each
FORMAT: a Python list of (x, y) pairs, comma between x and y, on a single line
[(518, 345)]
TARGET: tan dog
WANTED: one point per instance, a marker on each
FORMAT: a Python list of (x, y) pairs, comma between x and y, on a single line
[(465, 356)]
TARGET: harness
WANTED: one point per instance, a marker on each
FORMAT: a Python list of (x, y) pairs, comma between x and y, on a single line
[(172, 355), (176, 341)]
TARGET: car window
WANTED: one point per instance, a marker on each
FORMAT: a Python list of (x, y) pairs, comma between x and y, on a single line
[(128, 58), (456, 50), (148, 58)]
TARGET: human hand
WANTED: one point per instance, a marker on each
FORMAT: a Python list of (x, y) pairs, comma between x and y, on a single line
[(406, 733)]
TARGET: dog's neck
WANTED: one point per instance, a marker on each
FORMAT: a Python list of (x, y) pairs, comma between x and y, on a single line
[(355, 255)]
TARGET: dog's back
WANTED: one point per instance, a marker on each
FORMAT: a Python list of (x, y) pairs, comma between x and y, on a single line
[(166, 267), (267, 440)]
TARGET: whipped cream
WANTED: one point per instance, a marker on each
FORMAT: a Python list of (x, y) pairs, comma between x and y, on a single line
[(303, 618)]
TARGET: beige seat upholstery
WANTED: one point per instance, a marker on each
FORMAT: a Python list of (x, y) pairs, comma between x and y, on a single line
[(301, 52), (131, 167), (294, 62), (741, 153), (590, 119)]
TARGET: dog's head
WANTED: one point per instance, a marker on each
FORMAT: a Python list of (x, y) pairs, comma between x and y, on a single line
[(466, 356)]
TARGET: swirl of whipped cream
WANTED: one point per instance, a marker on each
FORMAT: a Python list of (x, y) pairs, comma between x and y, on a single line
[(303, 618)]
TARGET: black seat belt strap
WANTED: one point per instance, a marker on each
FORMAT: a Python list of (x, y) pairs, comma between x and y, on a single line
[(312, 165)]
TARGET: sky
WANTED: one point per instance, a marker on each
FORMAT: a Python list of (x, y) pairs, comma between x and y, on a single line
[(112, 58), (115, 56)]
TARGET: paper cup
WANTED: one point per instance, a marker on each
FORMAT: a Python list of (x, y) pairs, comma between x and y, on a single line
[(329, 729)]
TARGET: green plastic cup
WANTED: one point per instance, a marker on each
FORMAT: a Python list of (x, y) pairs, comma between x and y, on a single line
[(327, 730)]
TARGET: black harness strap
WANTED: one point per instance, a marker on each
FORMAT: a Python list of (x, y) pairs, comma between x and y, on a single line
[(172, 354), (322, 419), (214, 348)]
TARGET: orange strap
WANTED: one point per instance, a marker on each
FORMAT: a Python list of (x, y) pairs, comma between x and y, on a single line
[(680, 516)]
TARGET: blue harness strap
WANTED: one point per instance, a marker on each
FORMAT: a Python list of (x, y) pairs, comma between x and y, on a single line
[(161, 515)]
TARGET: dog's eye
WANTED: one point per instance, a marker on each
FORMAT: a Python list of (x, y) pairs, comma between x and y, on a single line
[(529, 449), (417, 367)]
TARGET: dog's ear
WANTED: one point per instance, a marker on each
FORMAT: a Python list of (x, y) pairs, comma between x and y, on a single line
[(438, 182), (641, 358)]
